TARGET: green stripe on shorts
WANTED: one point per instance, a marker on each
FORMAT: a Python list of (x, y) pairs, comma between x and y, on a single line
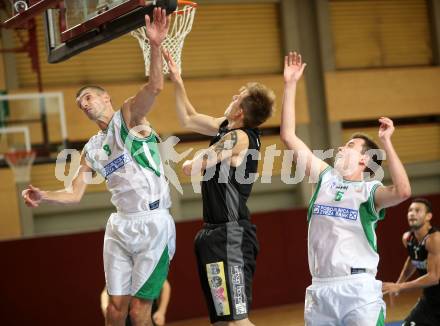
[(152, 287), (381, 319)]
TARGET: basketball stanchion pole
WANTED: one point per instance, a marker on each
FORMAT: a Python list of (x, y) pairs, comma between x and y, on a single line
[(20, 163)]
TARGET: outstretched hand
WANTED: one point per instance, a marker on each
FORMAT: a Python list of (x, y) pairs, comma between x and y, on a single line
[(158, 29), (32, 196), (293, 67), (172, 66), (390, 288), (386, 129)]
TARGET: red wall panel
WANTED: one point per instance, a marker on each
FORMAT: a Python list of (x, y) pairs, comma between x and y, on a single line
[(57, 280)]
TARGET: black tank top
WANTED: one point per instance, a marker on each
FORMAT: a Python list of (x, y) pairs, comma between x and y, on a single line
[(225, 197), (419, 257)]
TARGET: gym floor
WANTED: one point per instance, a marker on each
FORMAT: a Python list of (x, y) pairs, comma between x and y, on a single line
[(292, 314)]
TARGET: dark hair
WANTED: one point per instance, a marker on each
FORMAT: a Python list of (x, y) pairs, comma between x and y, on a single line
[(368, 144), (424, 201), (257, 105), (94, 87)]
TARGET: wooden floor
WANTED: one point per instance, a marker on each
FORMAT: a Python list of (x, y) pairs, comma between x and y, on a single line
[(292, 314)]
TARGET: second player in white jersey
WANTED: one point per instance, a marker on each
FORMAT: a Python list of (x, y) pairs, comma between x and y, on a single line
[(131, 166), (342, 220), (342, 216)]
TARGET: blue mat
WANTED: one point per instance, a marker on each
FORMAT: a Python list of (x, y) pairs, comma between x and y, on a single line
[(395, 323)]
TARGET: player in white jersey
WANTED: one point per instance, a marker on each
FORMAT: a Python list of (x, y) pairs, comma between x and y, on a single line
[(342, 217), (139, 239)]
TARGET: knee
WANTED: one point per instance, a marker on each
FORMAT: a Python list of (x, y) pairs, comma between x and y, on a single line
[(135, 313), (116, 313), (140, 314)]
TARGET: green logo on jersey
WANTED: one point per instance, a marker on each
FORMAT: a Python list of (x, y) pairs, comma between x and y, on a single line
[(145, 151), (339, 195), (107, 149)]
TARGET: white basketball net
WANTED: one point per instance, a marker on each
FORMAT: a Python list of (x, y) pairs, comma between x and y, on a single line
[(181, 24), (21, 163)]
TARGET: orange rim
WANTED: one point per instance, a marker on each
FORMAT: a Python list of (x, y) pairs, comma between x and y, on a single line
[(192, 4), (15, 157)]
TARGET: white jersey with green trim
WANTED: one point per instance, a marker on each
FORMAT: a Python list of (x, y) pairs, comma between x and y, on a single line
[(131, 166), (342, 220)]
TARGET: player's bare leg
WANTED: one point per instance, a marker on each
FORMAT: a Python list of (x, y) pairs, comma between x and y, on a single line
[(140, 312), (117, 310)]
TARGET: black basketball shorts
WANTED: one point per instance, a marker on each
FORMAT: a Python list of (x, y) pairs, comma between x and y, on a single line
[(226, 258), (425, 313)]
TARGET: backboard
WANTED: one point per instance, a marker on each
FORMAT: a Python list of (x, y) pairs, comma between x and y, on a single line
[(73, 26), (84, 24), (32, 121)]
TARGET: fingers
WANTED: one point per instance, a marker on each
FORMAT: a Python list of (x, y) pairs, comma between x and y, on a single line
[(24, 193), (156, 15), (163, 16), (386, 121), (168, 58), (147, 21), (165, 54), (160, 17), (167, 21), (29, 202), (31, 187), (293, 59), (27, 195)]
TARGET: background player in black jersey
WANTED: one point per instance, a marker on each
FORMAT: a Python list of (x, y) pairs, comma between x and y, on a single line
[(226, 248), (423, 244)]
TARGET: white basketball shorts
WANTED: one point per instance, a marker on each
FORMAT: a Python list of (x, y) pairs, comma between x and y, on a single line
[(137, 250), (354, 300)]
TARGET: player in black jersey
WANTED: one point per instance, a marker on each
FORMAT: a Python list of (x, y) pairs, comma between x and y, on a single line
[(423, 244), (227, 246)]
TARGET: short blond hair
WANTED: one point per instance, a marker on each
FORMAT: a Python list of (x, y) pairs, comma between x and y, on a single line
[(258, 104)]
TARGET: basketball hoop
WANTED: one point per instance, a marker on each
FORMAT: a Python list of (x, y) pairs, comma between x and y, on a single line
[(21, 162), (181, 24)]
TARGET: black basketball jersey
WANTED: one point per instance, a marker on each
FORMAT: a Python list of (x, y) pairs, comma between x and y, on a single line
[(225, 197), (419, 257)]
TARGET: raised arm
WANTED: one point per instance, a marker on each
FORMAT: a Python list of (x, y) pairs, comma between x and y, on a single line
[(408, 268), (230, 147), (136, 108), (433, 269), (188, 117), (293, 70), (33, 196), (400, 190)]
